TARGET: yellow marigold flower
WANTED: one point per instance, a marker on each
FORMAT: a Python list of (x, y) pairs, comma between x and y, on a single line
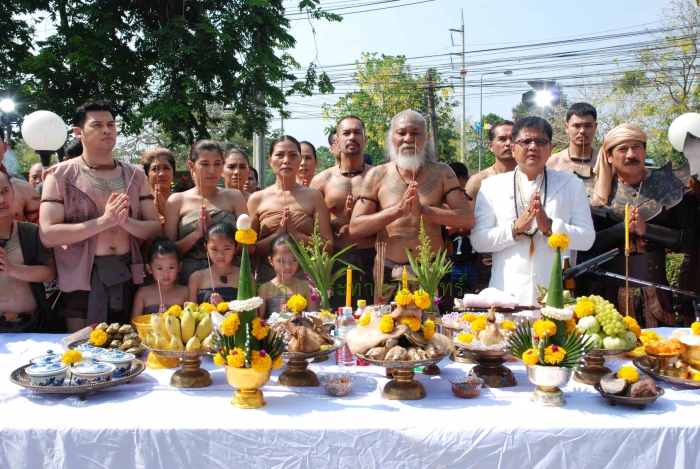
[(531, 357), (696, 376), (98, 337), (469, 317), (236, 358), (364, 320), (71, 357), (222, 307), (230, 325), (277, 364), (260, 361), (411, 322), (695, 327), (465, 338), (648, 337), (628, 373), (206, 308), (248, 236), (554, 354), (428, 329), (559, 241), (636, 330), (507, 325), (544, 328), (218, 360), (478, 325), (422, 299), (584, 308), (570, 325), (403, 297), (260, 328), (386, 325), (296, 303), (175, 310)]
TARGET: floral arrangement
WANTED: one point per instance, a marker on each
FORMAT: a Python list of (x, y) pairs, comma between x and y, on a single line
[(429, 271), (319, 265), (296, 303), (245, 340)]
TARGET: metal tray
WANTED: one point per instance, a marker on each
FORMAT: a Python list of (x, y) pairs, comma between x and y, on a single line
[(404, 364), (640, 402), (642, 363), (20, 377), (187, 354), (306, 356), (610, 351), (75, 344)]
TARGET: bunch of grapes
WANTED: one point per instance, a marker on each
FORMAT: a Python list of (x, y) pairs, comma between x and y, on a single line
[(607, 316)]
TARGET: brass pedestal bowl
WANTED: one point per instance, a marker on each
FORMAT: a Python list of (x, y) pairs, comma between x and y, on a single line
[(403, 387), (593, 369), (142, 324), (190, 375), (490, 367), (248, 381), (297, 374)]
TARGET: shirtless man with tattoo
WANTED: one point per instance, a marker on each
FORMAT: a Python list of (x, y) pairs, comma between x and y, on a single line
[(95, 212), (26, 205), (341, 186), (412, 185)]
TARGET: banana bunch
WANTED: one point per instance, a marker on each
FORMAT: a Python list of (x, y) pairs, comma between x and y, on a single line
[(190, 331)]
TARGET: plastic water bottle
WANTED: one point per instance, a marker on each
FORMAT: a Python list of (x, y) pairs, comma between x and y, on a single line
[(347, 362), (361, 305)]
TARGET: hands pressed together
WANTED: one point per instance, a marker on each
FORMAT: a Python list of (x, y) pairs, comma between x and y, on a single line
[(533, 212)]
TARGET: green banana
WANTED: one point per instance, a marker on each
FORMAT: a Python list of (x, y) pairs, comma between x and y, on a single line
[(204, 327), (193, 344), (187, 325)]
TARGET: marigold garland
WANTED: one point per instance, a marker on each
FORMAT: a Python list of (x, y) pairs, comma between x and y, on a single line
[(296, 303), (71, 357), (422, 299), (648, 337), (554, 354), (584, 308), (236, 358), (628, 373), (411, 322), (98, 337), (570, 325), (207, 308), (695, 327), (260, 361), (507, 325), (531, 357), (403, 297), (222, 307), (544, 328), (230, 325), (218, 360), (386, 325), (428, 329), (478, 325), (559, 241), (260, 328), (364, 320), (248, 236), (469, 317), (175, 310), (465, 338)]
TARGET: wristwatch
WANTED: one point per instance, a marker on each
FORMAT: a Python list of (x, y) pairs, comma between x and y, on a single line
[(548, 233), (514, 231)]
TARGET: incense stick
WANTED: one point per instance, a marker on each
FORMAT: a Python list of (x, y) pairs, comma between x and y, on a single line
[(206, 248), (381, 250), (160, 294)]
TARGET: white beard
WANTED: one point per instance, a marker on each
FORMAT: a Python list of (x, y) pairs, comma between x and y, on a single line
[(405, 157)]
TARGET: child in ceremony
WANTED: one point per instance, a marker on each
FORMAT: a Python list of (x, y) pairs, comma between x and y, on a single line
[(221, 246)]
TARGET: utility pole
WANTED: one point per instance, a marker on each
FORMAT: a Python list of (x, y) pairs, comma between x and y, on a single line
[(430, 92), (463, 75), (282, 112), (259, 159)]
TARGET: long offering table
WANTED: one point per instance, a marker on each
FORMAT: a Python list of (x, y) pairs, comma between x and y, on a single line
[(148, 424)]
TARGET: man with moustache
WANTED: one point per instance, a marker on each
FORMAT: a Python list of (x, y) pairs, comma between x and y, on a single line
[(660, 219), (580, 157), (515, 213), (26, 199), (499, 144), (35, 171), (341, 186), (96, 212), (396, 195)]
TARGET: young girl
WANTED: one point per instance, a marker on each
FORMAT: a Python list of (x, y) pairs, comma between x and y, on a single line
[(164, 264), (221, 245), (276, 292)]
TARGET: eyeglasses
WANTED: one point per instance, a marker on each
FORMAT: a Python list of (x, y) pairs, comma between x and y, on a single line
[(539, 142)]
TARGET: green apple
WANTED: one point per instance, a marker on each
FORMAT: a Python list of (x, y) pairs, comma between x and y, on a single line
[(614, 342), (631, 339), (594, 339), (588, 325)]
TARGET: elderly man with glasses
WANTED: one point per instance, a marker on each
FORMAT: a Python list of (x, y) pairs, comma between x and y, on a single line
[(515, 212)]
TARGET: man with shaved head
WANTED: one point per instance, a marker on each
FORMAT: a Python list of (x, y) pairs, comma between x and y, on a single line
[(26, 199), (396, 195)]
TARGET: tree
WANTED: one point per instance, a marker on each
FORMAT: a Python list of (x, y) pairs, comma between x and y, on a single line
[(160, 61), (387, 86)]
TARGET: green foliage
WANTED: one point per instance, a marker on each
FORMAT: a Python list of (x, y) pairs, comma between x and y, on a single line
[(387, 86), (325, 159), (521, 340)]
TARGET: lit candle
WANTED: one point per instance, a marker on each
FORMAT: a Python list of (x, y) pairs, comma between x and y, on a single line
[(404, 276), (627, 226), (348, 293)]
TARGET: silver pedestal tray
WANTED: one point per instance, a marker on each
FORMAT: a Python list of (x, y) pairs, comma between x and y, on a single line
[(640, 402), (403, 386), (297, 374)]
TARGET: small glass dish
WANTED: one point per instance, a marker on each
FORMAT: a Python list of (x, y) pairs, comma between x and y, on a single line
[(337, 384), (466, 386)]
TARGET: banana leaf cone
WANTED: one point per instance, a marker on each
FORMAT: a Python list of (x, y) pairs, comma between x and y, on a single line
[(555, 298), (246, 291)]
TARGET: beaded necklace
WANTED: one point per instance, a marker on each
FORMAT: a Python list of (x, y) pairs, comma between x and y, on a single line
[(518, 194)]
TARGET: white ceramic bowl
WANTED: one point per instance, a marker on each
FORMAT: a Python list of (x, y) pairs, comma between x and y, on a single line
[(121, 360), (92, 372), (50, 357), (47, 374)]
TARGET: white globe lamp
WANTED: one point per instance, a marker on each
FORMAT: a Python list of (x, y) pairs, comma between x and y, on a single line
[(682, 125), (44, 132)]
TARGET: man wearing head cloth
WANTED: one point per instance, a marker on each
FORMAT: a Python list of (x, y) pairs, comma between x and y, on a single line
[(660, 219)]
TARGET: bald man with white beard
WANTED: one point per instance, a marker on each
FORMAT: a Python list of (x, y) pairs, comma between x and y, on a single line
[(395, 195)]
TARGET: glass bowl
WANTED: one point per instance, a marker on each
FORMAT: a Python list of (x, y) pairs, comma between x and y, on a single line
[(466, 386), (337, 384)]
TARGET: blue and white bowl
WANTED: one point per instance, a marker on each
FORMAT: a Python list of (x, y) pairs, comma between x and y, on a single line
[(121, 360), (47, 374), (49, 358), (92, 372), (90, 351)]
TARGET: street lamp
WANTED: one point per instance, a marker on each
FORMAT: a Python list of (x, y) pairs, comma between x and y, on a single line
[(7, 106), (542, 95), (481, 106), (44, 132)]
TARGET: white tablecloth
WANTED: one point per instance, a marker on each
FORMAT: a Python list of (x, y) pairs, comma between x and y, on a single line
[(148, 424)]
